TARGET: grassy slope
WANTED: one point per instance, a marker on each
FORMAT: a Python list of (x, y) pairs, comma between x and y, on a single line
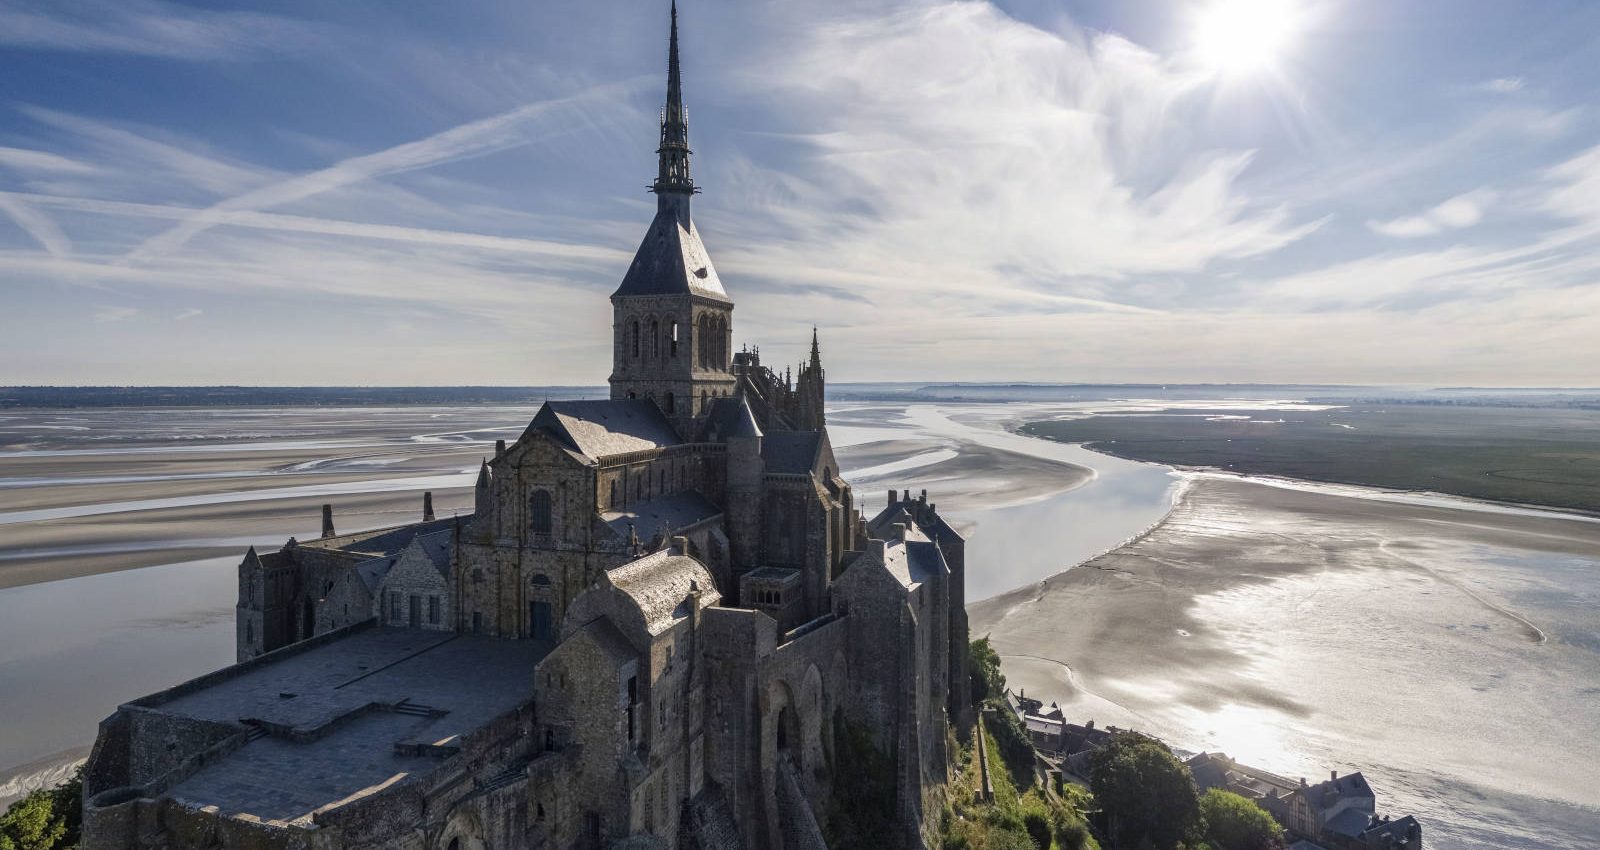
[(1532, 456)]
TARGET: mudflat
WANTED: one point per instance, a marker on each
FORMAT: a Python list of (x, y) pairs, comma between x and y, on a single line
[(1449, 652)]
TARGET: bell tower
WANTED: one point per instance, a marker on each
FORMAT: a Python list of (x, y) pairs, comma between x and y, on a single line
[(672, 322)]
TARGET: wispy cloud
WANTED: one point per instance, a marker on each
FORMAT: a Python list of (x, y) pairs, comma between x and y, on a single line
[(1503, 85), (476, 138), (151, 28), (29, 161), (190, 313), (37, 225), (108, 313), (1458, 212)]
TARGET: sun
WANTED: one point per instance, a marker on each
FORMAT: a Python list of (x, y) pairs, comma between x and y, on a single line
[(1242, 36)]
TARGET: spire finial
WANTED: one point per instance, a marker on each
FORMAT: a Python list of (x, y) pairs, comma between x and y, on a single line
[(672, 175)]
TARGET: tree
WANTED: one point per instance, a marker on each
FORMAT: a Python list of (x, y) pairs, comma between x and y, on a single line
[(46, 819), (1147, 794), (988, 683), (1233, 822)]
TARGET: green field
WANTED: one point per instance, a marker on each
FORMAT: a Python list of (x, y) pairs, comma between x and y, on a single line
[(1539, 456)]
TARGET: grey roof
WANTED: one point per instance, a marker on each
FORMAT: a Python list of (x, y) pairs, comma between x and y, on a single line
[(731, 418), (371, 572), (672, 261), (926, 560), (659, 583), (1324, 794), (791, 452), (880, 525), (1350, 822), (601, 428), (1305, 845), (674, 510), (778, 574), (1400, 828), (387, 541), (437, 546)]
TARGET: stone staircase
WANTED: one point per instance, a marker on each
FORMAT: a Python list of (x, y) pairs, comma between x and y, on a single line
[(706, 824)]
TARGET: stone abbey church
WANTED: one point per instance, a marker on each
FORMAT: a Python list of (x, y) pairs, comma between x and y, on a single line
[(665, 625)]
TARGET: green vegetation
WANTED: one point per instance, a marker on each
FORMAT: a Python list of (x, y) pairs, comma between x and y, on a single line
[(1533, 456), (1024, 815), (46, 819), (1148, 796), (1233, 822)]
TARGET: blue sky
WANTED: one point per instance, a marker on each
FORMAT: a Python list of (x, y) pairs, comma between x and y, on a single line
[(429, 193)]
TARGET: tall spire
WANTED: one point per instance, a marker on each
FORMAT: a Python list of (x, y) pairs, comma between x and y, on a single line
[(816, 351), (672, 175)]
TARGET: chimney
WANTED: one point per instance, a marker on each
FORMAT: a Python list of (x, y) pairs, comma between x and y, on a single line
[(892, 499), (680, 545), (427, 506), (924, 498), (499, 447), (876, 547), (1333, 776), (327, 520), (900, 531)]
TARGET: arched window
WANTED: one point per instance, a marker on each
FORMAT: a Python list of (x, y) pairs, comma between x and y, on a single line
[(613, 489), (655, 339), (672, 338), (671, 404), (539, 512), (635, 337), (540, 580)]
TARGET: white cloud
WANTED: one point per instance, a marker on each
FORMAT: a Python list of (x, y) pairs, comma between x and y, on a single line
[(151, 28), (1456, 213), (36, 224), (188, 314), (107, 313), (1503, 85), (26, 161)]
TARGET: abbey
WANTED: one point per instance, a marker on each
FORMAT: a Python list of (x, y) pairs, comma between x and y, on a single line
[(666, 624)]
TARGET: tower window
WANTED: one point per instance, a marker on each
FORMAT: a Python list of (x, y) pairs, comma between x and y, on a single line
[(671, 404), (655, 339), (672, 338), (635, 338)]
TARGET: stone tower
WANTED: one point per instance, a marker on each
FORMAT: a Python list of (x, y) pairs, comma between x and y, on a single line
[(672, 322), (809, 390)]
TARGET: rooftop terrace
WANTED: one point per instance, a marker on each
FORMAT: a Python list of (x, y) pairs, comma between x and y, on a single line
[(349, 718)]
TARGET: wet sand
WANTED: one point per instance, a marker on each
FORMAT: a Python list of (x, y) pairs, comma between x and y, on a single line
[(1452, 653)]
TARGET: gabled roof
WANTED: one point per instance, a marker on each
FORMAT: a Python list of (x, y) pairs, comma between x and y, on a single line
[(674, 510), (598, 429), (672, 261), (791, 452), (659, 584), (371, 572), (730, 418), (437, 547)]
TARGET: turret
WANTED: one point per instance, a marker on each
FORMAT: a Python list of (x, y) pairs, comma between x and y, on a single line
[(482, 498), (745, 472)]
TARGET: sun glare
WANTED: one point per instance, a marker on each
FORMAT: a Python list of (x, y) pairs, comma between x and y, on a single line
[(1240, 36)]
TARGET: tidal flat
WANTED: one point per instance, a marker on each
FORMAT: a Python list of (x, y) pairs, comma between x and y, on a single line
[(1447, 649)]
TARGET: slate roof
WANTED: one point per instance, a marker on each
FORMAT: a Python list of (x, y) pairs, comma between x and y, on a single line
[(385, 541), (1328, 792), (437, 547), (914, 562), (1399, 829), (371, 572), (1350, 822), (674, 510), (672, 261), (659, 584), (791, 452), (730, 418), (600, 428)]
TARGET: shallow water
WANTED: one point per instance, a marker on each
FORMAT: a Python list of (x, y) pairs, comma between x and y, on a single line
[(1410, 677)]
